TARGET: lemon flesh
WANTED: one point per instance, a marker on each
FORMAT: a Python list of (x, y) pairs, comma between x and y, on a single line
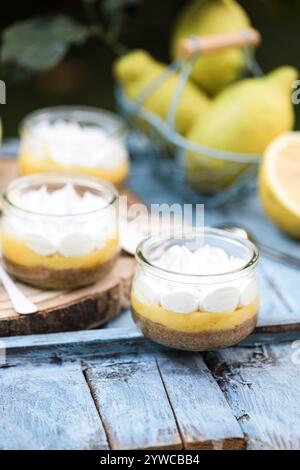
[(279, 180)]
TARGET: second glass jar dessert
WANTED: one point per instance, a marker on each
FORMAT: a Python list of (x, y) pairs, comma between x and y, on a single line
[(197, 292), (59, 231), (67, 139)]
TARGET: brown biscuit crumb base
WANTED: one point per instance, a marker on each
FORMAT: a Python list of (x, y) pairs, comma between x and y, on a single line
[(200, 341), (58, 279)]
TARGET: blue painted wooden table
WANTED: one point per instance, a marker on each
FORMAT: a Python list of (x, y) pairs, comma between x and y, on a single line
[(111, 388)]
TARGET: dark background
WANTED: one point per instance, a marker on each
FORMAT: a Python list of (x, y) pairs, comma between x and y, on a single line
[(84, 76)]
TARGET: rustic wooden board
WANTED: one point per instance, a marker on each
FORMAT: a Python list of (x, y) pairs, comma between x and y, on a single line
[(48, 407), (262, 386), (88, 307)]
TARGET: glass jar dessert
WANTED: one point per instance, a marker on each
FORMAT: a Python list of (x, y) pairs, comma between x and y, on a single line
[(58, 231), (197, 292), (85, 141)]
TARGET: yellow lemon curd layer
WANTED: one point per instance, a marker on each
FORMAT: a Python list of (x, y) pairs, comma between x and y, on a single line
[(29, 164), (197, 321), (16, 251)]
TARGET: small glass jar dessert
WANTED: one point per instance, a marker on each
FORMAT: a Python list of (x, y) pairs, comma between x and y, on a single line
[(197, 292), (58, 231), (85, 141)]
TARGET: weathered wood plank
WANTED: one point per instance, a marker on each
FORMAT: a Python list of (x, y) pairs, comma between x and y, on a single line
[(99, 343), (261, 337), (48, 407), (133, 404), (107, 348), (54, 340), (279, 305), (74, 346), (204, 418), (262, 387)]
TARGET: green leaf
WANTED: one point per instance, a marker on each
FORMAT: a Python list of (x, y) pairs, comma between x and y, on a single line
[(40, 43)]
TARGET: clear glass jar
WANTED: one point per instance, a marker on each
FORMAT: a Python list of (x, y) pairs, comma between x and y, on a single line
[(61, 248), (196, 312), (67, 139)]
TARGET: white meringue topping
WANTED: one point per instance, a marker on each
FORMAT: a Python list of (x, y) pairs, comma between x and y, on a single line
[(206, 260), (182, 301), (69, 236), (39, 244), (248, 292), (183, 298), (64, 201), (147, 289), (70, 144), (222, 299)]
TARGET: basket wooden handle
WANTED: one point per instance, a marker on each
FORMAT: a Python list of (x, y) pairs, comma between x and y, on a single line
[(205, 44)]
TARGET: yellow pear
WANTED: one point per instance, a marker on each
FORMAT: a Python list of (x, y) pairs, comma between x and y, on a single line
[(136, 70), (243, 118), (204, 17)]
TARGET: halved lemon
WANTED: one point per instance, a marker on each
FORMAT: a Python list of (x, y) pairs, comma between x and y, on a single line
[(279, 180)]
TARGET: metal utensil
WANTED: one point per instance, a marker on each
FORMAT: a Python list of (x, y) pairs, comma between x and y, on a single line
[(21, 304), (276, 255)]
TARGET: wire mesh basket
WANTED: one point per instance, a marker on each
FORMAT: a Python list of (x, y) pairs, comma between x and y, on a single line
[(199, 173)]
